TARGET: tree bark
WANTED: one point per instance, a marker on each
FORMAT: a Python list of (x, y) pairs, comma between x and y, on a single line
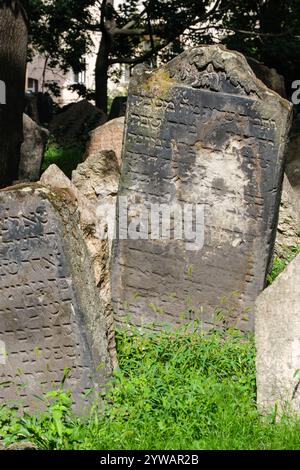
[(101, 75), (13, 51)]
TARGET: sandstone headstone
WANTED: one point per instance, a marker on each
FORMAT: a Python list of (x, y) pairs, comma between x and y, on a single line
[(277, 333), (203, 134), (97, 179), (32, 150), (55, 179), (109, 136), (98, 176), (51, 318), (288, 230), (90, 219)]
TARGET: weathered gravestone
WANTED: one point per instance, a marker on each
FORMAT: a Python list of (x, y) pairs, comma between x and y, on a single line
[(205, 137), (32, 150), (51, 318), (277, 337)]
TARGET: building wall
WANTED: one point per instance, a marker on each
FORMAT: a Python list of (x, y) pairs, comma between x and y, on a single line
[(35, 71)]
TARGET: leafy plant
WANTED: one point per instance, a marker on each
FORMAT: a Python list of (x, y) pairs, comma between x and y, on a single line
[(174, 390), (66, 158), (280, 263)]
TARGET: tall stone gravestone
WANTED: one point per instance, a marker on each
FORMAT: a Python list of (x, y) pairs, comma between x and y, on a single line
[(277, 337), (206, 139), (51, 319)]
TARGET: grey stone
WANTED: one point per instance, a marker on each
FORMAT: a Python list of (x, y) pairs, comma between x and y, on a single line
[(269, 76), (118, 107), (51, 318), (293, 155), (289, 223), (201, 130), (277, 334), (71, 126), (32, 150)]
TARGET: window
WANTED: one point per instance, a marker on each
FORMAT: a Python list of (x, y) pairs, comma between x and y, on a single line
[(80, 77), (32, 85)]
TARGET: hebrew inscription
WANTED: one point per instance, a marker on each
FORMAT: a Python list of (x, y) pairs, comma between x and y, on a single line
[(45, 315), (204, 131)]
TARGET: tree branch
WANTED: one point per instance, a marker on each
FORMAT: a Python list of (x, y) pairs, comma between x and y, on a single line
[(159, 47), (102, 19), (128, 32), (151, 33)]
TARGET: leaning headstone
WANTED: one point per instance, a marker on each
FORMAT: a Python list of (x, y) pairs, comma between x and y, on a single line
[(71, 126), (205, 139), (51, 318), (32, 150), (90, 177), (109, 136), (277, 337)]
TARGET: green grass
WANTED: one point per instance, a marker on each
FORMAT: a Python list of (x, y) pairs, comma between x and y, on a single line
[(280, 263), (66, 158), (173, 391)]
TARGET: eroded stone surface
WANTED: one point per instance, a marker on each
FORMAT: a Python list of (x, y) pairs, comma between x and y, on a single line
[(109, 136), (277, 335), (32, 150), (91, 220), (72, 125), (201, 130), (51, 318), (97, 180), (288, 230)]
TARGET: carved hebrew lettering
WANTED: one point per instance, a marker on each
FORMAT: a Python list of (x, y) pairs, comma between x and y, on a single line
[(201, 130), (44, 317)]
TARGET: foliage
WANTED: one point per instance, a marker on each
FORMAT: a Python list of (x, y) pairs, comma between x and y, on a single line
[(140, 31), (267, 31), (178, 390), (66, 158), (280, 263)]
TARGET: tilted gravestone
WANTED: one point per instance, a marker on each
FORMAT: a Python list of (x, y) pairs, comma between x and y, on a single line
[(51, 318), (32, 150), (205, 137), (277, 338)]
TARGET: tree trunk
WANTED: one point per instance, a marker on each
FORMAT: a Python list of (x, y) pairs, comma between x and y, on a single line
[(102, 66), (13, 51)]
